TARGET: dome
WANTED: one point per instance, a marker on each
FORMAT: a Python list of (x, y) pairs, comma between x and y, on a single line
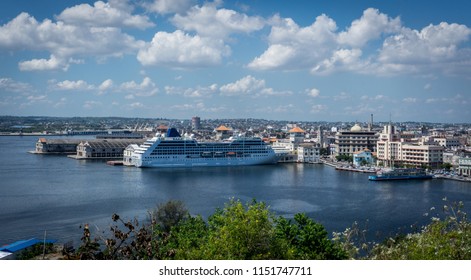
[(355, 128)]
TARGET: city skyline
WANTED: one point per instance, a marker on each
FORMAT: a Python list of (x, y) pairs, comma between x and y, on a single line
[(300, 61)]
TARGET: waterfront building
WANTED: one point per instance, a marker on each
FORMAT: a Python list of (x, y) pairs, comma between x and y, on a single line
[(283, 154), (464, 166), (308, 153), (387, 148), (127, 154), (421, 155), (103, 149), (364, 157), (347, 142), (56, 146), (283, 144), (391, 150)]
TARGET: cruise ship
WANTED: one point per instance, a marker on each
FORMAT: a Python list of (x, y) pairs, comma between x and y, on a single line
[(172, 150), (400, 174)]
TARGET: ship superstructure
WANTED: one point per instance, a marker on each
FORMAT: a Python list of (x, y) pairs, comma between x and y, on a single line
[(172, 150)]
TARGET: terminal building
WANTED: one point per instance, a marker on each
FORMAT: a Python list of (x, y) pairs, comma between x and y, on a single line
[(56, 146), (104, 149)]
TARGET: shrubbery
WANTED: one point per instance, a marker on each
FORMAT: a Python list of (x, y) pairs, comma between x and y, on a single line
[(251, 231)]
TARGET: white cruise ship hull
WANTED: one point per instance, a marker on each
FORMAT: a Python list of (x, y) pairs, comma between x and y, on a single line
[(182, 161)]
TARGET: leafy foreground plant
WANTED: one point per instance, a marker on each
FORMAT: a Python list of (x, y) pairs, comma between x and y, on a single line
[(447, 238), (237, 231), (250, 231)]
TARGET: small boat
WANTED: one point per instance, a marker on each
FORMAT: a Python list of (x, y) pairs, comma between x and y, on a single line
[(400, 174)]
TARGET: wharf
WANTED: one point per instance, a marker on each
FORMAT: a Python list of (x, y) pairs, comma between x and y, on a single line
[(343, 167), (455, 178)]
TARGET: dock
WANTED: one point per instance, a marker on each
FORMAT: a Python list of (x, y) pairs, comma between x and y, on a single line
[(115, 162)]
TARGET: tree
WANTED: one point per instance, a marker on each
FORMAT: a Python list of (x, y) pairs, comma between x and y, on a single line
[(307, 239), (238, 231), (241, 232), (170, 214)]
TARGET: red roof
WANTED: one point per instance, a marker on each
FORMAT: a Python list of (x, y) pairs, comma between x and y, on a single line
[(296, 130), (222, 128)]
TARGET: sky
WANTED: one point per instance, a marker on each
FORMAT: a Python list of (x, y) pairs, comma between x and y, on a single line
[(294, 60)]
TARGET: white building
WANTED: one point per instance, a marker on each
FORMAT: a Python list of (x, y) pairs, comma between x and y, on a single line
[(451, 143), (393, 150), (309, 153), (464, 166), (127, 154), (296, 135)]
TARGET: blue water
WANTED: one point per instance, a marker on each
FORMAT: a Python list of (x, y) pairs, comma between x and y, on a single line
[(57, 194)]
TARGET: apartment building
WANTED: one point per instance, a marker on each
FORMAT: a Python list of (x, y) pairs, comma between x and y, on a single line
[(391, 150)]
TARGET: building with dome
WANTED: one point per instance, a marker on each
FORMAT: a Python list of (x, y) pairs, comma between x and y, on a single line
[(348, 142)]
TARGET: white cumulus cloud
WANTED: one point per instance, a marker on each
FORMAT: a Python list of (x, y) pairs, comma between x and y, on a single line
[(324, 50), (249, 85), (106, 85), (73, 85), (146, 88), (53, 63), (178, 49), (295, 47), (244, 86), (169, 6), (104, 15), (433, 46), (370, 26), (314, 92), (209, 21), (63, 41)]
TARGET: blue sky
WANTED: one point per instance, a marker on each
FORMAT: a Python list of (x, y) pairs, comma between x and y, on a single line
[(280, 60)]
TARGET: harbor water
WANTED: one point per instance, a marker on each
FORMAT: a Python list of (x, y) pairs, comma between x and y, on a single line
[(56, 194)]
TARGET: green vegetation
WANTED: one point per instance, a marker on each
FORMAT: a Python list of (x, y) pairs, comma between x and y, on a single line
[(36, 250), (346, 158), (251, 231)]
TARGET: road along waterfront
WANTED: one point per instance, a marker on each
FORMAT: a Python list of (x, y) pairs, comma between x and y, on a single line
[(57, 194)]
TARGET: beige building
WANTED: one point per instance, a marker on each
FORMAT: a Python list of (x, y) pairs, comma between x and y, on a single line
[(391, 149), (356, 139)]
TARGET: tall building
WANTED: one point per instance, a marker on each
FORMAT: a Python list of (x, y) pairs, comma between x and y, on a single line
[(392, 150), (296, 135), (195, 123), (320, 136), (347, 142)]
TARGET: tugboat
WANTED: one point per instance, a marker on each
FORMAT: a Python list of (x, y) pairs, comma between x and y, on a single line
[(400, 174)]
